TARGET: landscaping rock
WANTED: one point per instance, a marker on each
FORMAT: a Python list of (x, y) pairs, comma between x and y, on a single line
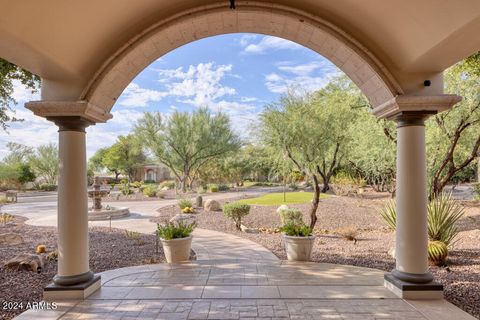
[(10, 239), (27, 262), (248, 230), (184, 218), (475, 234), (212, 205)]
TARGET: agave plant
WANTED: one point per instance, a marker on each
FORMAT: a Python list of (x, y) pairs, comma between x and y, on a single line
[(443, 214), (389, 214)]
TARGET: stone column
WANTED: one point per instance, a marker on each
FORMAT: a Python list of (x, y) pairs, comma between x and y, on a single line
[(411, 237), (73, 250)]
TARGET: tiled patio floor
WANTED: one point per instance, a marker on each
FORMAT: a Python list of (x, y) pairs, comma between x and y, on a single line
[(227, 289)]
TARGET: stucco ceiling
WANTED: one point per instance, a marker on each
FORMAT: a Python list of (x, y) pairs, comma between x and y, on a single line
[(69, 40)]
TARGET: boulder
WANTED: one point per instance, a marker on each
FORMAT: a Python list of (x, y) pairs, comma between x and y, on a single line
[(211, 205), (10, 239), (183, 218), (27, 262), (248, 230)]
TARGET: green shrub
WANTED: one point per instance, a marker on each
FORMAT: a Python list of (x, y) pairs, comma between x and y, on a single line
[(48, 187), (213, 188), (167, 184), (236, 211), (148, 181), (443, 212), (296, 230), (185, 203), (125, 187), (150, 190), (293, 186), (175, 231), (136, 184), (223, 187), (291, 215), (476, 189)]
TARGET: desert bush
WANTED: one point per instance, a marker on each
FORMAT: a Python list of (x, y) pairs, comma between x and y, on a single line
[(344, 184), (149, 181), (167, 184), (132, 235), (296, 230), (5, 218), (188, 210), (184, 203), (213, 188), (443, 212), (52, 256), (223, 187), (437, 253), (236, 211), (48, 187), (150, 190), (171, 230), (136, 184), (291, 215), (476, 189), (293, 186), (125, 187), (349, 233)]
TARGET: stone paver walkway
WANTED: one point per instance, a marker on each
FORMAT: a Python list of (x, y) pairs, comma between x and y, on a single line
[(235, 278)]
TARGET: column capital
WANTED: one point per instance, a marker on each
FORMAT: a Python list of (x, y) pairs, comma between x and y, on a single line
[(426, 105), (71, 123), (84, 109)]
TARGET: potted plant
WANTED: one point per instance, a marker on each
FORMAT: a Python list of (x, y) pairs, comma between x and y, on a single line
[(176, 240), (298, 240)]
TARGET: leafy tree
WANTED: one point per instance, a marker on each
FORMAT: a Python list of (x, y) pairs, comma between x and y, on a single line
[(372, 150), (453, 136), (8, 74), (309, 131), (25, 173), (123, 157), (18, 153), (186, 142), (44, 162)]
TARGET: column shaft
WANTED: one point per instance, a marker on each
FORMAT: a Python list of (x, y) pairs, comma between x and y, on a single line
[(411, 233)]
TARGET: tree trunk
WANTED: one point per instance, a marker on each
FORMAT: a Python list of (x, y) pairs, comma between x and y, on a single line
[(315, 201)]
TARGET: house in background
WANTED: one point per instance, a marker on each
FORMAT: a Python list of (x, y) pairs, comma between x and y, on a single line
[(152, 172)]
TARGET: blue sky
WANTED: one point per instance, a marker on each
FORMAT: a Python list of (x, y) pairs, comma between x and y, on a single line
[(237, 74)]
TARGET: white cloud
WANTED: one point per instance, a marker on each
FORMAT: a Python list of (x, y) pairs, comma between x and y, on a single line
[(309, 76), (135, 96), (200, 85), (268, 43), (245, 39)]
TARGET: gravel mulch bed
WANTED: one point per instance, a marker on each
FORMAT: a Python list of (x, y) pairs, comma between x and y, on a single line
[(374, 241), (109, 249)]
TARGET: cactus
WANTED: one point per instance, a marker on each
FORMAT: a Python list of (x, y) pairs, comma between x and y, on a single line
[(41, 248), (52, 256), (199, 201), (437, 253)]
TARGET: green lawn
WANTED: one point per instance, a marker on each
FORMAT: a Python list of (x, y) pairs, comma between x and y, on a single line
[(276, 199)]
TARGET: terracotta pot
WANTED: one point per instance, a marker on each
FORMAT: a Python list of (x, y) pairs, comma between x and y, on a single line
[(177, 250), (298, 248)]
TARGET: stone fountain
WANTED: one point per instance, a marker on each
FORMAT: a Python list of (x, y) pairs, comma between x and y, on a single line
[(98, 212)]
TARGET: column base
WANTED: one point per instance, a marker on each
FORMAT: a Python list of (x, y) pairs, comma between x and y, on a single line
[(413, 291), (55, 292)]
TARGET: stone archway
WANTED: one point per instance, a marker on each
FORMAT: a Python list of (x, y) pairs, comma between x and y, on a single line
[(355, 60), (352, 57)]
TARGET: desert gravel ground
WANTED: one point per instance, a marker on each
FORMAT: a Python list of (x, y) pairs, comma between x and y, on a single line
[(109, 249), (461, 277)]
